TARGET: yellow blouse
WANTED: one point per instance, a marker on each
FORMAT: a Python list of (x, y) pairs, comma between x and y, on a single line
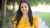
[(24, 22)]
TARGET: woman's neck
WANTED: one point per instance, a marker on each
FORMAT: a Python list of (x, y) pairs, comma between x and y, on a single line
[(25, 14)]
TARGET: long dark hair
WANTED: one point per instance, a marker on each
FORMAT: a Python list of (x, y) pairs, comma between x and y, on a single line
[(19, 13)]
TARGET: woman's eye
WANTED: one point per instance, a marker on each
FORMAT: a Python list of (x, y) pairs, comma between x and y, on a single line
[(25, 6), (21, 7)]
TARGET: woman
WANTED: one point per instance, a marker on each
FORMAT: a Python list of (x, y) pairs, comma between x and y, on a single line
[(24, 18)]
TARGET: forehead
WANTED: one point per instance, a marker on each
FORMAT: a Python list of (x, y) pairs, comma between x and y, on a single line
[(24, 4)]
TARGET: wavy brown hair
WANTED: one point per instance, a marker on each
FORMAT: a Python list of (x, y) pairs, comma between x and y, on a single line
[(19, 13)]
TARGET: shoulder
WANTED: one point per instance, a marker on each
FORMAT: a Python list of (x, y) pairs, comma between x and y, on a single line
[(13, 18), (36, 18)]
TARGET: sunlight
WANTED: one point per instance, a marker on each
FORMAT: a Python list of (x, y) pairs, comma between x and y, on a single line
[(10, 7), (41, 8)]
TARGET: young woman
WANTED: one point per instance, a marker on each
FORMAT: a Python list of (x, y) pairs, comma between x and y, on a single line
[(24, 18)]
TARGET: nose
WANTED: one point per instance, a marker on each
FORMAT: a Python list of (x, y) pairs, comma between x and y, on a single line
[(24, 8)]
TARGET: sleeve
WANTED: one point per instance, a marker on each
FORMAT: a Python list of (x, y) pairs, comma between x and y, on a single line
[(14, 21), (35, 21)]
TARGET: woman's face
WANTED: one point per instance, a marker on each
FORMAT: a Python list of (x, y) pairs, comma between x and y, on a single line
[(24, 8)]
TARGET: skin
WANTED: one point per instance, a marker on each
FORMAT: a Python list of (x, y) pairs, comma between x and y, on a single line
[(24, 9)]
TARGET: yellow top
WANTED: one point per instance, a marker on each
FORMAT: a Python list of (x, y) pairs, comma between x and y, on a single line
[(24, 22)]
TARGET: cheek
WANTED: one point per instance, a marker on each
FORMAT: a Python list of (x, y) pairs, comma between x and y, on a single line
[(21, 9), (27, 9)]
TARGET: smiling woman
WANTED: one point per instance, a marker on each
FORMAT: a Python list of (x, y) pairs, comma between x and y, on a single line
[(24, 18)]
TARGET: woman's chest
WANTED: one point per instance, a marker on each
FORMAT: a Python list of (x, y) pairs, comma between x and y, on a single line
[(24, 23)]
